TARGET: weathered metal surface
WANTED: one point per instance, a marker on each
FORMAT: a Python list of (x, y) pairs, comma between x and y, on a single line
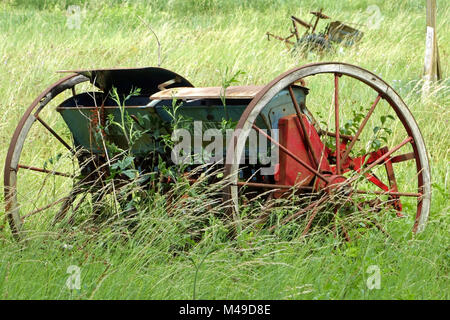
[(85, 113), (235, 92), (81, 112), (127, 79), (340, 32)]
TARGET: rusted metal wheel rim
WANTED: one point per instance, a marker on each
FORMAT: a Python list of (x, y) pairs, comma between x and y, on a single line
[(384, 91), (31, 115)]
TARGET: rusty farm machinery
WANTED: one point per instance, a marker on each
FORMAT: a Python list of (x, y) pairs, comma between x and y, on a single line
[(318, 41), (340, 138)]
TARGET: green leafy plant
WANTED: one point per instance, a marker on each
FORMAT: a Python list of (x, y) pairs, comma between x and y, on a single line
[(380, 133), (227, 81)]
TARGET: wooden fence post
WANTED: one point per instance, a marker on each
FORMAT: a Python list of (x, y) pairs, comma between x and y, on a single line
[(432, 66)]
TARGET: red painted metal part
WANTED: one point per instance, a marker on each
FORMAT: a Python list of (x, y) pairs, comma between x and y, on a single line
[(291, 136), (290, 172), (392, 183), (292, 155)]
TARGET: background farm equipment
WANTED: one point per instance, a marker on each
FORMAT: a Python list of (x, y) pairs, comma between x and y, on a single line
[(334, 32), (350, 157)]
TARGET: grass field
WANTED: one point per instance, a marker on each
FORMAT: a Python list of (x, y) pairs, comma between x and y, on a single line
[(200, 40)]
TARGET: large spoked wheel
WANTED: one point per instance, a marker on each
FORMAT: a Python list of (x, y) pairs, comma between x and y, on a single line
[(370, 161), (41, 168)]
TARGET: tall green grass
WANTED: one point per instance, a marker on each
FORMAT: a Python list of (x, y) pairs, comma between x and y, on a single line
[(200, 39)]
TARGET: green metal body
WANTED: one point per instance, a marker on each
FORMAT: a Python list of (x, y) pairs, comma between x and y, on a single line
[(90, 117), (138, 122)]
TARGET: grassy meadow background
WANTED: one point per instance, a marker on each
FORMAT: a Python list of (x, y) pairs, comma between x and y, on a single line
[(200, 40)]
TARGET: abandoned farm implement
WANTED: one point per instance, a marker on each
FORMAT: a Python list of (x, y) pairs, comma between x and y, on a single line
[(340, 138)]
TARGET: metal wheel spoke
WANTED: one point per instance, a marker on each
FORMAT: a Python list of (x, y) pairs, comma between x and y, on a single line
[(270, 186), (380, 159), (44, 208), (22, 166), (302, 124), (393, 185), (293, 156), (374, 179), (403, 157), (336, 123), (360, 129), (58, 137), (390, 193)]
